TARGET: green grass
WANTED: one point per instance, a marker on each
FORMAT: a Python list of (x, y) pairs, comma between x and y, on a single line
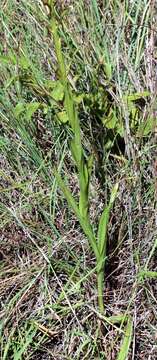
[(75, 121)]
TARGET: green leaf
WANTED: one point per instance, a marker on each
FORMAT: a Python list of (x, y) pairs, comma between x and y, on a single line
[(84, 224), (13, 57), (103, 222), (58, 92), (84, 187), (110, 121), (78, 98), (146, 127), (4, 59), (24, 62), (102, 230), (62, 117), (147, 274), (50, 84), (113, 194), (19, 108), (120, 128), (28, 108), (108, 70), (10, 81), (75, 153), (108, 145), (27, 341), (31, 108), (90, 164), (4, 142), (124, 350), (136, 96), (8, 59)]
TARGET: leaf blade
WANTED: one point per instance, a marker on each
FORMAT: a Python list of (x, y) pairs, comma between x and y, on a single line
[(103, 222), (84, 224), (124, 350)]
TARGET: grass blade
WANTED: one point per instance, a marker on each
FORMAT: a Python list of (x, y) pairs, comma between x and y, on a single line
[(124, 350), (147, 274)]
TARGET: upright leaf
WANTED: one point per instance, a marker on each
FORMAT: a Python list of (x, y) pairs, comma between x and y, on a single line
[(84, 187), (103, 222), (124, 350), (86, 227), (102, 230)]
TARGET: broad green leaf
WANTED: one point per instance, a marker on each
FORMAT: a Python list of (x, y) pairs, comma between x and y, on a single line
[(103, 222), (78, 98), (24, 62), (74, 123), (62, 117), (78, 144), (75, 154), (58, 92), (124, 350), (110, 121), (19, 108), (28, 108), (45, 109), (133, 110), (31, 108), (102, 230)]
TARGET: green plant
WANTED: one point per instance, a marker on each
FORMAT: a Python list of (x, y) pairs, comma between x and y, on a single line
[(125, 346), (83, 166)]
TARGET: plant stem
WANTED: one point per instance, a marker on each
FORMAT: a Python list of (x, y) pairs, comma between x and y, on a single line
[(100, 285)]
